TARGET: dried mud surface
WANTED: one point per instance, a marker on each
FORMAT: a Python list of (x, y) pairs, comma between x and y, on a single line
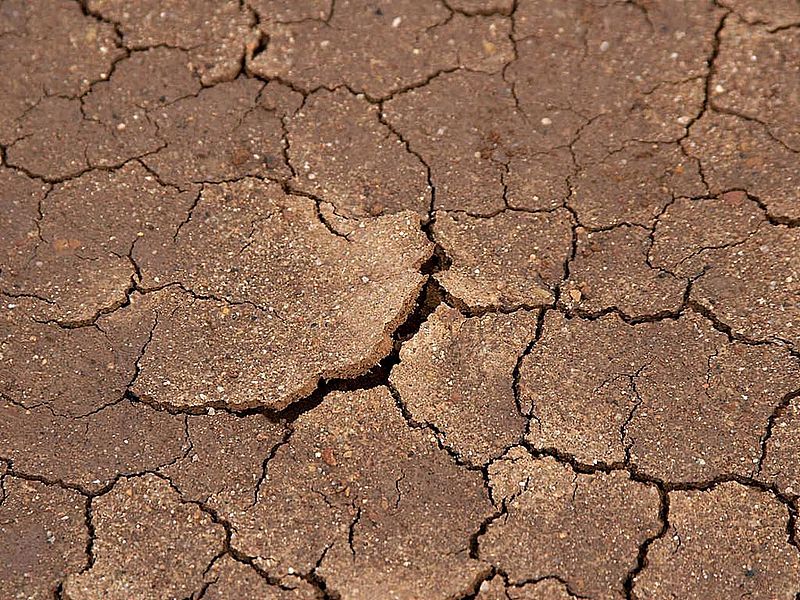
[(348, 299)]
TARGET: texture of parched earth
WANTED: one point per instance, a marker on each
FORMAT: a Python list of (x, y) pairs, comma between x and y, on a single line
[(408, 299)]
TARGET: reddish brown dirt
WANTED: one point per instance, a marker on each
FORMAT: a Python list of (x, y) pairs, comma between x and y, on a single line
[(409, 299)]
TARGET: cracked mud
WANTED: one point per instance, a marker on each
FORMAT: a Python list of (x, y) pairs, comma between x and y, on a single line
[(348, 299)]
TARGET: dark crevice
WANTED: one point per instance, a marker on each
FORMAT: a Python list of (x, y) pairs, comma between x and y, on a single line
[(474, 588), (287, 434), (623, 431), (318, 581), (474, 540), (709, 76), (351, 531), (90, 556), (723, 327), (779, 411), (189, 215), (641, 558), (218, 519)]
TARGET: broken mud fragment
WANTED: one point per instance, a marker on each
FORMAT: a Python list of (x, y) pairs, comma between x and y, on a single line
[(342, 153), (605, 391), (20, 197), (737, 154), (215, 34), (49, 49), (70, 372), (772, 13), (480, 147), (146, 538), (692, 235), (754, 288), (225, 132), (611, 271), (512, 260), (457, 374), (781, 464), (756, 76), (43, 535), (577, 64), (380, 50), (228, 580), (586, 528), (80, 266), (546, 589), (90, 452), (746, 270), (277, 301), (224, 468), (111, 124), (727, 541), (634, 185), (379, 504)]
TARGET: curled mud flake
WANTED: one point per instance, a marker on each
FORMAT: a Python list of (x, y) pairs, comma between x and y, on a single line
[(458, 375), (781, 464), (479, 146), (49, 49), (279, 300), (772, 13), (225, 132), (44, 537), (512, 260), (381, 50), (692, 234), (91, 451), (740, 154), (71, 372), (228, 580), (767, 307), (633, 185), (226, 464), (606, 391), (385, 508), (215, 34), (725, 542), (756, 75), (610, 270), (343, 154), (146, 539), (586, 528)]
